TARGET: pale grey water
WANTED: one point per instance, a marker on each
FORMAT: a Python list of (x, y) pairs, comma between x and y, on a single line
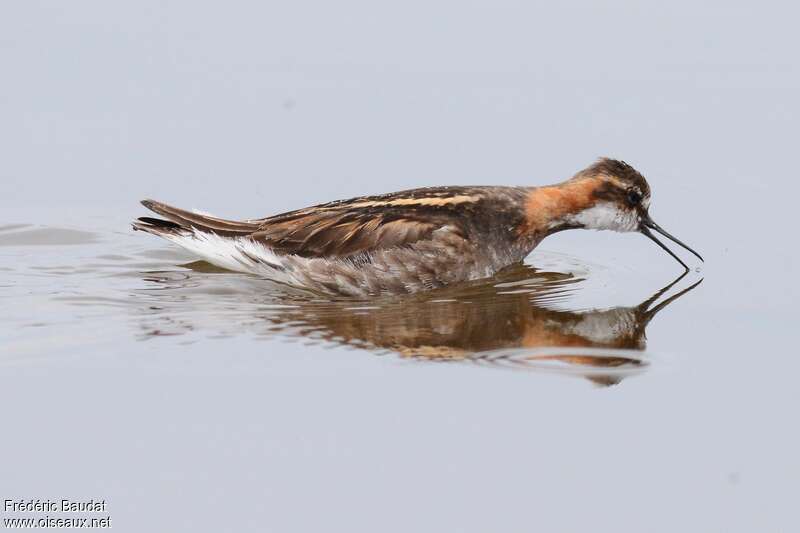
[(195, 400)]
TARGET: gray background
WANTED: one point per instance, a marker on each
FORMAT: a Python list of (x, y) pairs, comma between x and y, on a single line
[(246, 109)]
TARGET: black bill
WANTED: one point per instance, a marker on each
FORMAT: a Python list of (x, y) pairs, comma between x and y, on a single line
[(647, 224)]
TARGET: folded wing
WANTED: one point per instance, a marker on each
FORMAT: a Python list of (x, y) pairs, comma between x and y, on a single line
[(337, 229)]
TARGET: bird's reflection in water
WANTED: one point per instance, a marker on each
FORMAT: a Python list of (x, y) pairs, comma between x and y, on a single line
[(516, 320)]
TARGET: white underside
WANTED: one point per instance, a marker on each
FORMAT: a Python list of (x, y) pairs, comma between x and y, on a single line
[(237, 254)]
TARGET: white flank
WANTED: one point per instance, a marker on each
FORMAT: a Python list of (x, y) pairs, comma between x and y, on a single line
[(605, 215), (237, 254)]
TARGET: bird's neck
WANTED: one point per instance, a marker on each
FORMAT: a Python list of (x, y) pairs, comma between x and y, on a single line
[(549, 209)]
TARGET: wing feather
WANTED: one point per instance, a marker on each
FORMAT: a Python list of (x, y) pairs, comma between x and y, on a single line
[(342, 233), (366, 224)]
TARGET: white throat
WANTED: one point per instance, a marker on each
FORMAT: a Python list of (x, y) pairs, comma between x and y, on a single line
[(605, 215)]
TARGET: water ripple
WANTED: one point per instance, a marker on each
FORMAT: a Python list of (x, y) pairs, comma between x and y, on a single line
[(526, 318)]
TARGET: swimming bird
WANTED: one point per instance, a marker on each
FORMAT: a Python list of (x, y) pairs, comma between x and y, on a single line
[(414, 240)]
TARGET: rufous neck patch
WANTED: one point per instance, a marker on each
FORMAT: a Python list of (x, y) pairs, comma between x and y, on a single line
[(546, 206)]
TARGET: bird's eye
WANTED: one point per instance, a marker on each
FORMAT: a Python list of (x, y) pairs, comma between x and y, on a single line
[(634, 197)]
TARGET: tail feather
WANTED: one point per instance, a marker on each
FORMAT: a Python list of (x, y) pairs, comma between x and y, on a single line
[(159, 227), (223, 243), (180, 221)]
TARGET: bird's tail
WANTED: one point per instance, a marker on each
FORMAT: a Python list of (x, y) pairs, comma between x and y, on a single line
[(180, 222)]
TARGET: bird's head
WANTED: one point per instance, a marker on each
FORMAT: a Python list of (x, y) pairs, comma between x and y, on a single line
[(608, 195)]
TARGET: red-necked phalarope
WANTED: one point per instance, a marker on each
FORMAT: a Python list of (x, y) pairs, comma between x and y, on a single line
[(413, 240)]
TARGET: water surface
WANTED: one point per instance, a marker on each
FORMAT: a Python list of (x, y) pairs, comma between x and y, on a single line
[(526, 317)]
